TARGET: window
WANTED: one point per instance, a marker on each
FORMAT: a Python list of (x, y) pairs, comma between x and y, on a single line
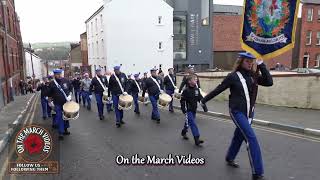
[(310, 15), (160, 20), (317, 61), (160, 46), (309, 35), (98, 55), (96, 23), (179, 24), (101, 21), (306, 58), (179, 49), (318, 38), (92, 29)]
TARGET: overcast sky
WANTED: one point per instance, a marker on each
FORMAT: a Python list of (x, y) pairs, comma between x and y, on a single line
[(62, 20)]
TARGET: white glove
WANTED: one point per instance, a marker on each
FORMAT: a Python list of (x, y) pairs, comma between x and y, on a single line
[(90, 96), (161, 91), (109, 99), (125, 93), (69, 98), (175, 87), (259, 61), (70, 94), (51, 104), (46, 98)]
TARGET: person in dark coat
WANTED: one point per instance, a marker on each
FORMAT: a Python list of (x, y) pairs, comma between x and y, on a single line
[(243, 84), (170, 85)]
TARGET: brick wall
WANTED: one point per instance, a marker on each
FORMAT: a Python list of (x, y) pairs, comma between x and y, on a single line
[(314, 26), (227, 29)]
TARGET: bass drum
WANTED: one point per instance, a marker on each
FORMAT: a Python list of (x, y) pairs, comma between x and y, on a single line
[(176, 94), (164, 100), (125, 102), (71, 111), (145, 99)]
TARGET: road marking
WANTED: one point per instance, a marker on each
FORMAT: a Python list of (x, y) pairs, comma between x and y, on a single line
[(5, 164), (290, 134)]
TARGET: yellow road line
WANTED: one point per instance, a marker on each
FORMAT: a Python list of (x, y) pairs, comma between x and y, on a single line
[(5, 164)]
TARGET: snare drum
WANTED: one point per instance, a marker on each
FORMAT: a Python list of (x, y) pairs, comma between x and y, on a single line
[(71, 111), (125, 102), (164, 100)]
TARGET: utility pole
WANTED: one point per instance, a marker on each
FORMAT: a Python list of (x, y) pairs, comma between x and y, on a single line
[(33, 75)]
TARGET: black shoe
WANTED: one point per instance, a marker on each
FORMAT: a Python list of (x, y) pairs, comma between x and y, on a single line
[(44, 118), (137, 112), (257, 177), (153, 118), (233, 164), (60, 137), (184, 135), (122, 122), (171, 110), (49, 116), (89, 108), (198, 141), (66, 132), (101, 118), (54, 126), (158, 121), (118, 125)]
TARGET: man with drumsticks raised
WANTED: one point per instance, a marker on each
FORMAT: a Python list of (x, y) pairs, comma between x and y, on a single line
[(170, 85), (60, 91), (99, 85), (118, 85), (154, 86)]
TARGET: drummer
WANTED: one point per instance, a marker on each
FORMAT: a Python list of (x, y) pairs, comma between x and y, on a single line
[(154, 86), (98, 85), (134, 89), (170, 85), (190, 71), (118, 85), (109, 103), (60, 92)]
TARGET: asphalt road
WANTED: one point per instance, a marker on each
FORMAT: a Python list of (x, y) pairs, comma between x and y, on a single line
[(90, 151)]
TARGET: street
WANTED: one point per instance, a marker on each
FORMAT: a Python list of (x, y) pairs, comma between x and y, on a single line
[(90, 151)]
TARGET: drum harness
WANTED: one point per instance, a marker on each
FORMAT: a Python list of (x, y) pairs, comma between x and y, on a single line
[(102, 85), (120, 85), (60, 89), (171, 80), (137, 85), (155, 81)]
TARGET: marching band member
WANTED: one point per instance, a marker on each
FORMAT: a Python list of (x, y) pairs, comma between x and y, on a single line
[(118, 85), (189, 102), (109, 103), (76, 87), (134, 89), (170, 85), (44, 88), (190, 71), (60, 92), (85, 87), (154, 86), (99, 84), (243, 84)]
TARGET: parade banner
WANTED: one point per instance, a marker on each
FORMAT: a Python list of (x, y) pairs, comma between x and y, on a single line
[(269, 26)]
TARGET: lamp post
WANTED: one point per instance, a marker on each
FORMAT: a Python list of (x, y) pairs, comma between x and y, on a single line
[(33, 75), (4, 3)]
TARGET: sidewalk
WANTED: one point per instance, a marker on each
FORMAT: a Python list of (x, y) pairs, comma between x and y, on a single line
[(305, 118), (11, 111)]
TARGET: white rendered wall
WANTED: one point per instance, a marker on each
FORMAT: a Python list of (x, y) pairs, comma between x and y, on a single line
[(132, 34), (95, 38)]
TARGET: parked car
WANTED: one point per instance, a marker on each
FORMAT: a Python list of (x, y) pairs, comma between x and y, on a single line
[(307, 70)]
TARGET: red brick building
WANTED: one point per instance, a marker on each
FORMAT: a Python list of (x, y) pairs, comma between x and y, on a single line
[(11, 52), (226, 39), (310, 34)]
